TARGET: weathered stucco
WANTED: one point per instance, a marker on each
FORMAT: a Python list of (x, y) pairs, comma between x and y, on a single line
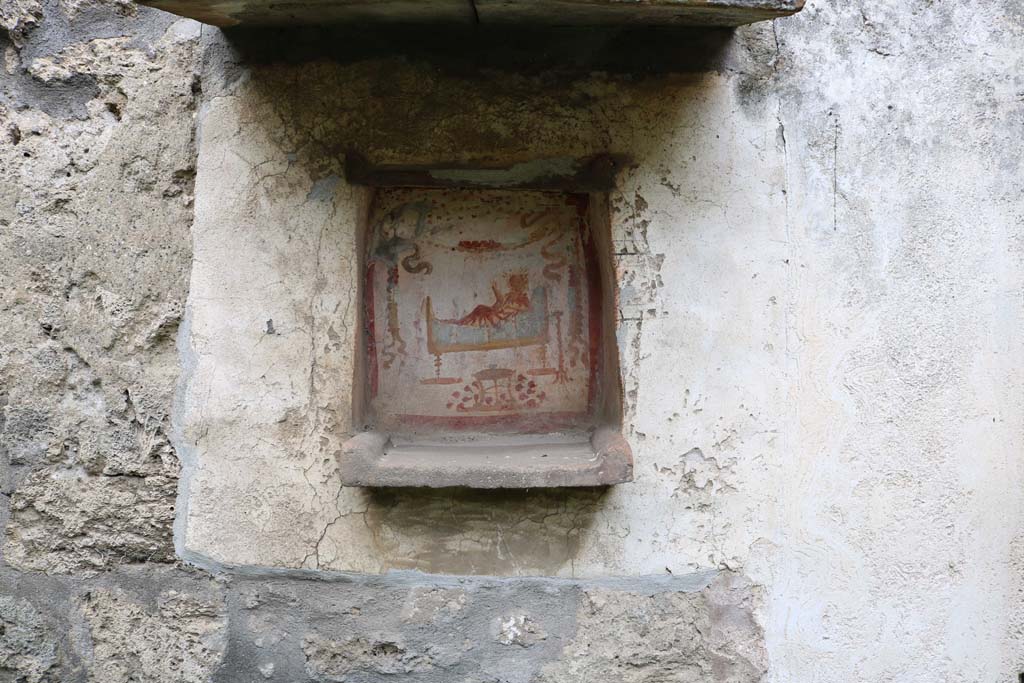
[(819, 241)]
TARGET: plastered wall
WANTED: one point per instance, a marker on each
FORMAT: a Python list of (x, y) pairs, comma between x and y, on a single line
[(264, 414)]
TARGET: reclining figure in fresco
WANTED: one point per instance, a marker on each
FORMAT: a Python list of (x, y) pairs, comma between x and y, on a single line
[(505, 306)]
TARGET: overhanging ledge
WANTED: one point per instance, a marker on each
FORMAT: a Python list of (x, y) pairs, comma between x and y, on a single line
[(535, 12)]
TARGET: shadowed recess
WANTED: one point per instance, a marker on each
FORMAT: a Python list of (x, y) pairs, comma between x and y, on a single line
[(467, 50)]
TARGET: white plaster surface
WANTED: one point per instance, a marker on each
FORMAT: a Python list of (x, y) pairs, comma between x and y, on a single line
[(822, 304)]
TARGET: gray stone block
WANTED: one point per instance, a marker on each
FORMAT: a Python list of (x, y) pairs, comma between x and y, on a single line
[(542, 12)]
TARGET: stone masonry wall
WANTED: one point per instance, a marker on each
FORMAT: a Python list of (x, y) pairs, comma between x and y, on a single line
[(822, 244), (98, 163)]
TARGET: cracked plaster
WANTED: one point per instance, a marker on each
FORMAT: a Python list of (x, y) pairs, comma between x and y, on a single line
[(265, 413)]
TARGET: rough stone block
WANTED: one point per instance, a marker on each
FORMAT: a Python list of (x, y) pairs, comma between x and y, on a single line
[(159, 626), (157, 632), (96, 168), (28, 645), (368, 630)]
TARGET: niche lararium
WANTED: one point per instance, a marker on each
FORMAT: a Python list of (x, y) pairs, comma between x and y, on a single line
[(487, 344)]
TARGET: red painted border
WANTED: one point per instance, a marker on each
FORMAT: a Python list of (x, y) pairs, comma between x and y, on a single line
[(370, 332), (595, 334)]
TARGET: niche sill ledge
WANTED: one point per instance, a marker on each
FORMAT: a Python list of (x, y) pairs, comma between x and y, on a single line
[(376, 459)]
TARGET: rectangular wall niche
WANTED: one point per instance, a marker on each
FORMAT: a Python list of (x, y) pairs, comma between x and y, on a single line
[(488, 347)]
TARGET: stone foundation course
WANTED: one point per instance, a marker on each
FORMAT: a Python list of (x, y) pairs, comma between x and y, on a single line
[(177, 625)]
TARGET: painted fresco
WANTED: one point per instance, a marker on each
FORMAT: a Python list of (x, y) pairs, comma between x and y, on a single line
[(479, 310)]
